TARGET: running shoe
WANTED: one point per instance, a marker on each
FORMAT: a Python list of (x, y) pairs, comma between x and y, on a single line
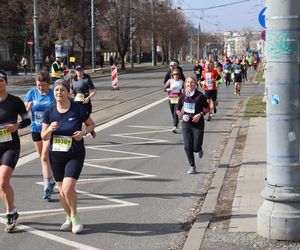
[(174, 130), (11, 223), (67, 225), (76, 225), (192, 170), (200, 154), (209, 118), (48, 191), (215, 110)]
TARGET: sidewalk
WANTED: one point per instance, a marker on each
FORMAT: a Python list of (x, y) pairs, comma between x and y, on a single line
[(247, 199), (207, 231)]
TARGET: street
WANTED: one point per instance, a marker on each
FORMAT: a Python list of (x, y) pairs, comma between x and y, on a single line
[(134, 192)]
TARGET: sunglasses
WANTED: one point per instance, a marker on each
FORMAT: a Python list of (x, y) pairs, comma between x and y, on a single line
[(175, 75)]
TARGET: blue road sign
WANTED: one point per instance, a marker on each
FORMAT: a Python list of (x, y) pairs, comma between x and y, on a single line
[(262, 18)]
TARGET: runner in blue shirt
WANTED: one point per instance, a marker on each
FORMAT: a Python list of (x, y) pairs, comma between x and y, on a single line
[(62, 125), (38, 99)]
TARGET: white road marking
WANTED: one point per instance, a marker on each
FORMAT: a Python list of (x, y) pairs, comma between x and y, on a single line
[(53, 237)]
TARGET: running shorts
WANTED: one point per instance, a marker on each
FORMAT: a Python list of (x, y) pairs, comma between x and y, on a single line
[(36, 136), (9, 154), (211, 94)]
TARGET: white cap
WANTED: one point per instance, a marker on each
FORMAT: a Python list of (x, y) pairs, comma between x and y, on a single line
[(173, 64)]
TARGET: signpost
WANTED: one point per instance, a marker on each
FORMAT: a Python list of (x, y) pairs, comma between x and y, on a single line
[(262, 18), (30, 44)]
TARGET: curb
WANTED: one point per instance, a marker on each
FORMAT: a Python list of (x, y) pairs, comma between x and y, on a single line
[(197, 232)]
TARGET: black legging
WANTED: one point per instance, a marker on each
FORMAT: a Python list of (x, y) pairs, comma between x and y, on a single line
[(173, 112), (193, 139)]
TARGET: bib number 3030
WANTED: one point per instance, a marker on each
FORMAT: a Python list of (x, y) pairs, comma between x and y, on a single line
[(61, 143)]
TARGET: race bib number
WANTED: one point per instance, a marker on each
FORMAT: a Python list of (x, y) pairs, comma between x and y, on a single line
[(208, 80), (5, 135), (197, 72), (237, 71), (61, 143), (174, 100), (38, 117), (79, 97), (189, 107), (226, 71)]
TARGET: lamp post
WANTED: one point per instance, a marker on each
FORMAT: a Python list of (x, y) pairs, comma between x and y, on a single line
[(93, 35), (37, 54)]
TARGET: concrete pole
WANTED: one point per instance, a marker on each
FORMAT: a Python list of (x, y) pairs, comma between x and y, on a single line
[(37, 55), (153, 39), (131, 36), (93, 47), (279, 216), (198, 43)]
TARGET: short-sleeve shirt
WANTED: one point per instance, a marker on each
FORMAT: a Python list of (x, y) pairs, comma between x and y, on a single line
[(10, 109), (82, 86), (69, 122), (40, 103)]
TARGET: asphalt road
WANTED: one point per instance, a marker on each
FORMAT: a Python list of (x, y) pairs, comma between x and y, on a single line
[(134, 192)]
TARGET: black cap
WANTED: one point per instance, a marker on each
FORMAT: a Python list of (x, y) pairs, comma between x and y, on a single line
[(79, 67), (3, 75)]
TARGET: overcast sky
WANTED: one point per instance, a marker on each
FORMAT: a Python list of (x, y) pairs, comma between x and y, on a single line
[(230, 18)]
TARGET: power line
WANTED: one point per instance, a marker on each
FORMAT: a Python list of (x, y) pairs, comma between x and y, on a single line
[(218, 6)]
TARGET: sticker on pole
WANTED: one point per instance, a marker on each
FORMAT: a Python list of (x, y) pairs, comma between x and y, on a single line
[(263, 35), (68, 76), (275, 99)]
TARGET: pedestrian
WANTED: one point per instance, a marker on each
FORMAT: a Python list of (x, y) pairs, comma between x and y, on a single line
[(62, 125), (174, 87), (111, 61), (101, 60), (48, 63), (192, 107), (24, 64), (83, 90), (10, 108), (57, 68), (37, 100)]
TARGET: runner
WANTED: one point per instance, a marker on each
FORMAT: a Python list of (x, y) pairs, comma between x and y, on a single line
[(237, 69), (210, 78), (174, 87), (173, 65), (62, 125), (244, 63), (227, 72), (10, 108), (197, 70), (83, 90), (38, 99), (192, 107)]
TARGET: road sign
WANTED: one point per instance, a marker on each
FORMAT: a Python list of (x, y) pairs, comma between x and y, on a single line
[(262, 18), (30, 43), (263, 35)]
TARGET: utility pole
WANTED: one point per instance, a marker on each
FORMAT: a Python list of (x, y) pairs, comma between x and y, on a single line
[(37, 54), (279, 216), (198, 42), (153, 39), (93, 49), (131, 36)]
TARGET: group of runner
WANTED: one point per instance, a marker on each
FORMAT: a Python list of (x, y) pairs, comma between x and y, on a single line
[(189, 104), (57, 133)]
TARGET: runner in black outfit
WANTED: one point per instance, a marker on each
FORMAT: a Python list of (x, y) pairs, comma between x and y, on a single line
[(10, 108)]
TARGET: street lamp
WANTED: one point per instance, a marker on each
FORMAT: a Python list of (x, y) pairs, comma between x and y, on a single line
[(93, 35), (37, 54)]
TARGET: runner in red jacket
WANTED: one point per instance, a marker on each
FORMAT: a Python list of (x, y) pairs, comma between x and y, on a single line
[(210, 77)]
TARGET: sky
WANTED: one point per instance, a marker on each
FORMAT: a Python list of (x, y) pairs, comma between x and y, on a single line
[(230, 18)]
